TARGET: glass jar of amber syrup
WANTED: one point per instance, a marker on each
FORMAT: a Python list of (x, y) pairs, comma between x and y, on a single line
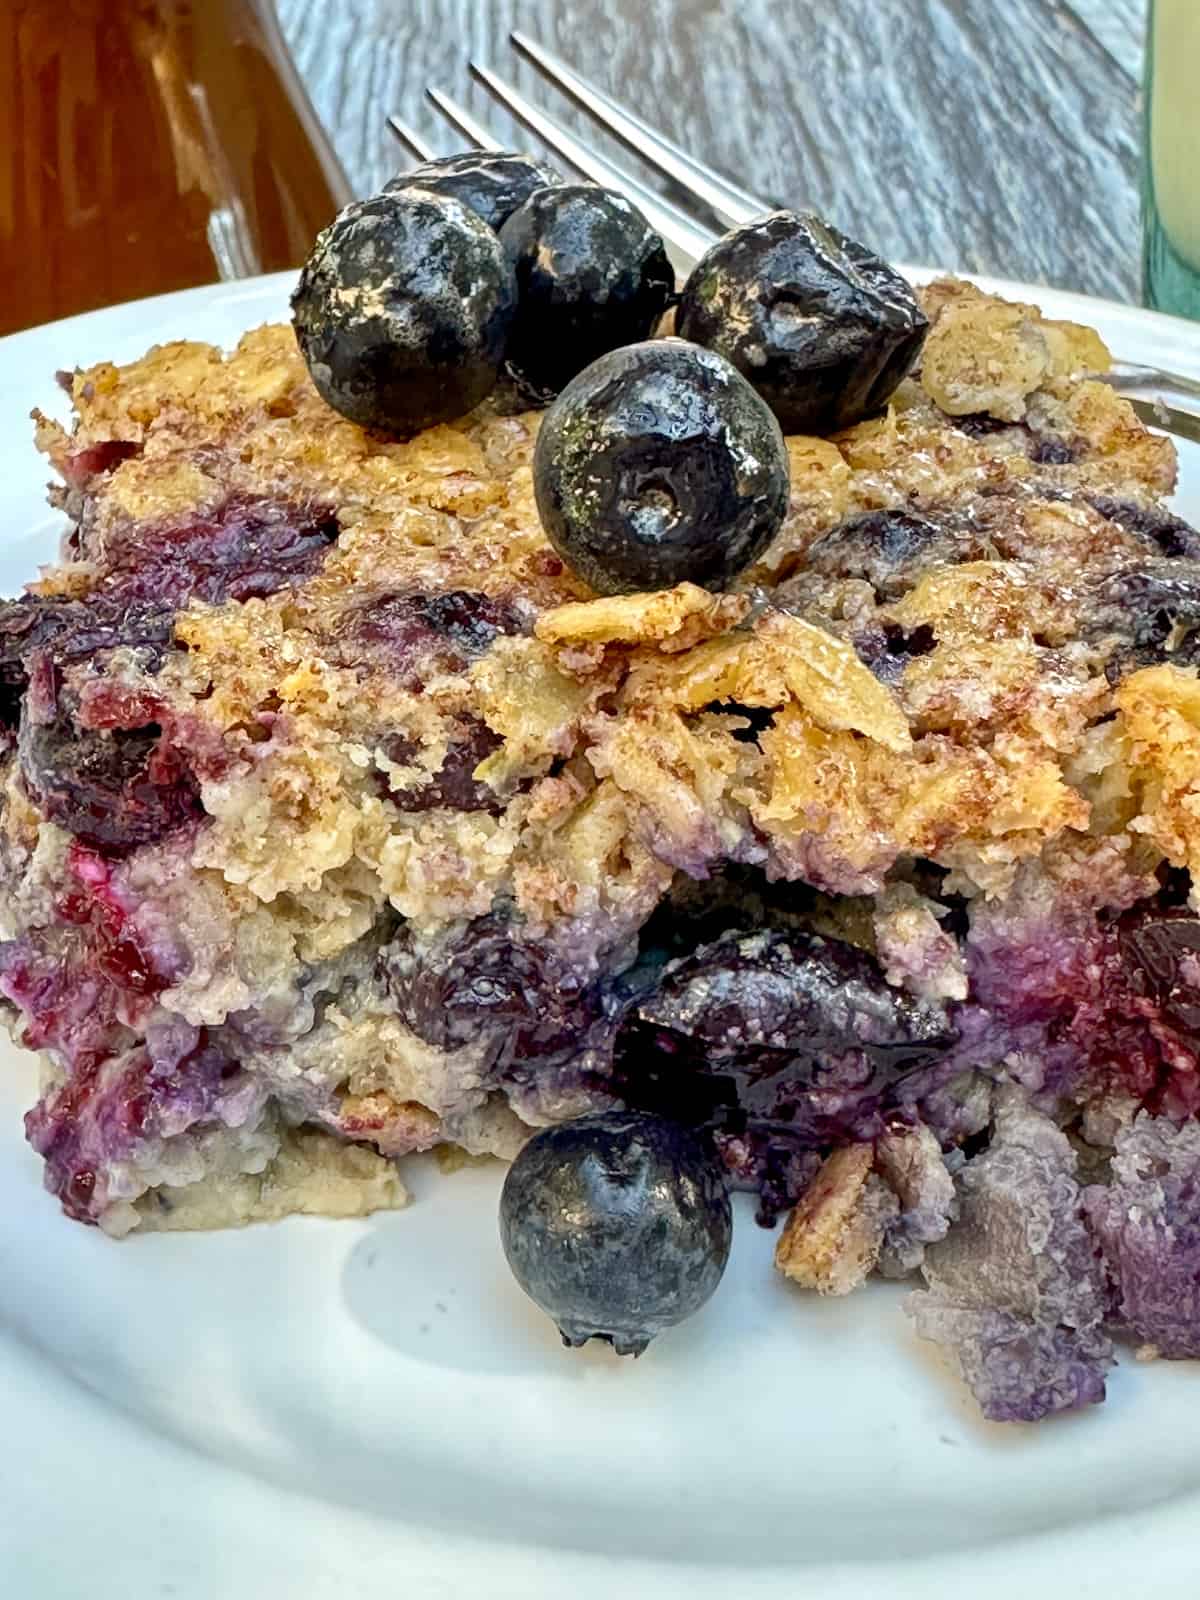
[(148, 145)]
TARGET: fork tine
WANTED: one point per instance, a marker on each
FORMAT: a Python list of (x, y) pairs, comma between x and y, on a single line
[(685, 239), (462, 119), (731, 205), (410, 137)]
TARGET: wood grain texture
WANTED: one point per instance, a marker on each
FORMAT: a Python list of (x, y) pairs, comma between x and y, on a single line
[(995, 135)]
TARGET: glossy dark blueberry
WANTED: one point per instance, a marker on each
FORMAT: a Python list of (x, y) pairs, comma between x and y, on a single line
[(821, 327), (617, 1225), (491, 183), (591, 275), (982, 425), (783, 1033), (659, 464), (403, 310), (798, 992)]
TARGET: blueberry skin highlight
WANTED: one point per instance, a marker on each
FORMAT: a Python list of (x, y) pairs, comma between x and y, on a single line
[(591, 274), (657, 465), (821, 327), (491, 183), (618, 1225), (402, 311)]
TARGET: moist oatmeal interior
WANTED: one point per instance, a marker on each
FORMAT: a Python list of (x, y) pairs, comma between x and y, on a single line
[(341, 821)]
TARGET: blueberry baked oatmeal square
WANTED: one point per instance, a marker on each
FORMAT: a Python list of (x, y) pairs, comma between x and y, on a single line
[(755, 749)]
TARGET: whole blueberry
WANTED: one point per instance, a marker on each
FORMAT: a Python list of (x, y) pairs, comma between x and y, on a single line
[(491, 183), (660, 464), (403, 310), (821, 327), (617, 1225), (591, 275)]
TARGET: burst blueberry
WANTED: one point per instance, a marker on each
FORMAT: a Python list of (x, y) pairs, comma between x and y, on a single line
[(115, 790)]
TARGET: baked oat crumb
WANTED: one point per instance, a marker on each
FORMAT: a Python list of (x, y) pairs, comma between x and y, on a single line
[(832, 1239)]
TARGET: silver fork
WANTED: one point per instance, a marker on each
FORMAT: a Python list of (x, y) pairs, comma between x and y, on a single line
[(1162, 399)]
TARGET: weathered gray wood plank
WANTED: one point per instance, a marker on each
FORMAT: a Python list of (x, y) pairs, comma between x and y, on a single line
[(999, 135), (1118, 25)]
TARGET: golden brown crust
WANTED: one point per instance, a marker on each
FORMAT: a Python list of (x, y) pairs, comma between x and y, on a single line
[(962, 760)]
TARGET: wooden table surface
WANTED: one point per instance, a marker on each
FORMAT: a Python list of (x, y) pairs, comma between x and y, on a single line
[(995, 135)]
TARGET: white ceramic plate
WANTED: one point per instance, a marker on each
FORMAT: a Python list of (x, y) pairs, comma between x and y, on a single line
[(372, 1409)]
